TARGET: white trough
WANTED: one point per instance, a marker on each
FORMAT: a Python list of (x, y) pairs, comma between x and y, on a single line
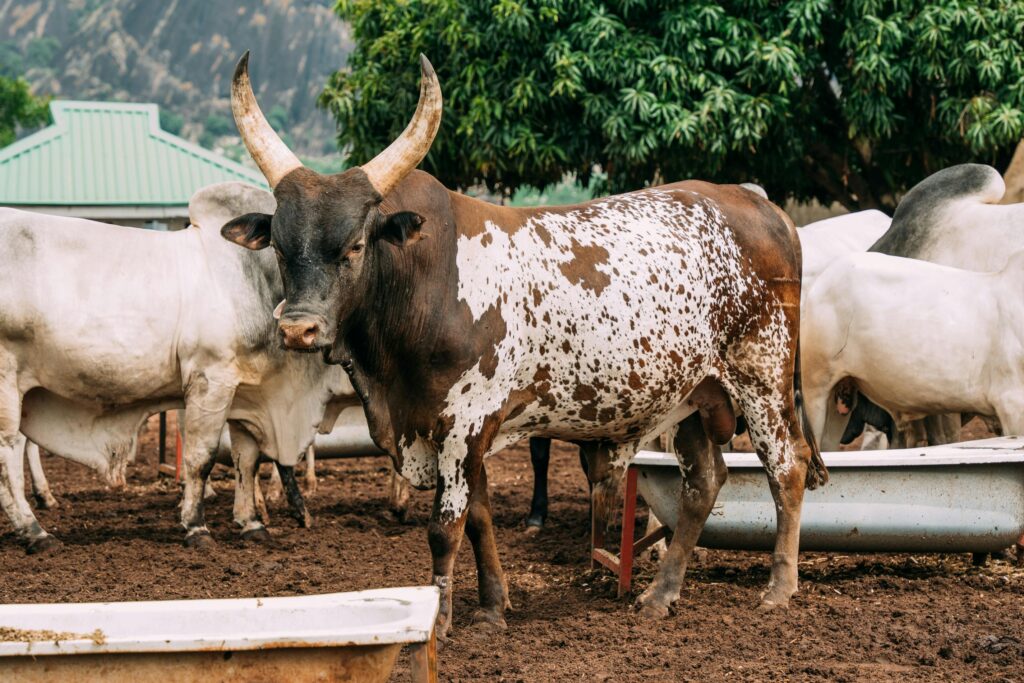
[(334, 637), (965, 497)]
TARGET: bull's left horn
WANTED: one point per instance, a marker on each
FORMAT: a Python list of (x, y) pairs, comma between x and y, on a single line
[(266, 148), (404, 154)]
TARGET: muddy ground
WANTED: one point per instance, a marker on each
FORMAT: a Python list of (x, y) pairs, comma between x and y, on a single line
[(856, 617)]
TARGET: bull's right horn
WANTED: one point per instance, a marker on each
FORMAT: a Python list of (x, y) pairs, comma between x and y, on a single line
[(266, 148), (404, 154)]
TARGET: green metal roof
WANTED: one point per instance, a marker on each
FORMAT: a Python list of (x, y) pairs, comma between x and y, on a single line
[(109, 153)]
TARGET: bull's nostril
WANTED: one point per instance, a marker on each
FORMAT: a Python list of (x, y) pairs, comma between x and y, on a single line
[(300, 335), (309, 336)]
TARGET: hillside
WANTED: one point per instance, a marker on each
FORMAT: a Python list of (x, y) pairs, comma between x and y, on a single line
[(180, 54)]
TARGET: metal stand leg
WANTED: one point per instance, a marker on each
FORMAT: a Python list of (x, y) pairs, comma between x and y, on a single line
[(622, 564), (628, 522)]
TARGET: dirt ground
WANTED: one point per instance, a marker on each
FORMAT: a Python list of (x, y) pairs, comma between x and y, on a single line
[(856, 617)]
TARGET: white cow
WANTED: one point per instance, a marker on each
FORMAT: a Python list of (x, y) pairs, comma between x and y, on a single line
[(953, 217), (822, 242), (917, 338), (103, 326)]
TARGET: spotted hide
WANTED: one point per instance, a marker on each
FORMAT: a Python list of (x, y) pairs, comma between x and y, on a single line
[(466, 326)]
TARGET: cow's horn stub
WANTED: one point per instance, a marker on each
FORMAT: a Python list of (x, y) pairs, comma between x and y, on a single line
[(404, 154), (266, 148)]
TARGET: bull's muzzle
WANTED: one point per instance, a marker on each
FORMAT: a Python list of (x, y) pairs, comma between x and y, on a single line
[(302, 332)]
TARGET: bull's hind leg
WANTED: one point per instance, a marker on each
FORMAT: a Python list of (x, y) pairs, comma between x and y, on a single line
[(206, 408), (775, 433), (246, 455), (40, 486), (704, 472), (491, 583)]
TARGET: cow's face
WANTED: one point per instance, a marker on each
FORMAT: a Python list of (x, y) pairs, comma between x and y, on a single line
[(323, 234), (325, 227)]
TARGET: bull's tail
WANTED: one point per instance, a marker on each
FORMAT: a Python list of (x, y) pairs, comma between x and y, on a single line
[(817, 473)]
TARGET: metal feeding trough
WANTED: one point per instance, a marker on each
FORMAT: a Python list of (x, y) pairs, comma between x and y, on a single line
[(334, 637), (964, 497)]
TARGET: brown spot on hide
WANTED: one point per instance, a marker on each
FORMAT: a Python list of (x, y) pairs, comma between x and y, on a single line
[(493, 329), (543, 234), (635, 383), (582, 270), (584, 392)]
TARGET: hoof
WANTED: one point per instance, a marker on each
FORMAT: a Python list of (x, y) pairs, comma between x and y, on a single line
[(532, 530), (772, 606), (201, 540), (488, 621), (45, 502), (43, 544), (654, 611), (651, 608), (305, 520), (259, 536), (398, 514)]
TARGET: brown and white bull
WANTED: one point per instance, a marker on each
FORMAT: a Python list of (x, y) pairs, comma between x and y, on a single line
[(102, 326), (466, 326)]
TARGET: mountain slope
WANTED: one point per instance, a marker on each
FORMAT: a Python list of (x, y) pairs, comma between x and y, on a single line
[(181, 54)]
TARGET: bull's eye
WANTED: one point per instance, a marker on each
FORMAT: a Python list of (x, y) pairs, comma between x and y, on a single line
[(356, 248)]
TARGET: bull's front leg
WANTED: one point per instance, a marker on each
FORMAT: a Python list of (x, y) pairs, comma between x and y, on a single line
[(458, 479), (491, 583), (246, 455), (206, 407)]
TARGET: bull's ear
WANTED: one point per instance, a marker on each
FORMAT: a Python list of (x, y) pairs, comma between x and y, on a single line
[(401, 228), (252, 230)]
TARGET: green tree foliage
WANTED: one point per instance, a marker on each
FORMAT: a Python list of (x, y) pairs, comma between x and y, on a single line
[(171, 121), (851, 101), (40, 51), (218, 125), (19, 109), (12, 64)]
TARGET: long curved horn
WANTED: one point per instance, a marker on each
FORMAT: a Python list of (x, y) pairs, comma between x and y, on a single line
[(266, 148), (404, 154)]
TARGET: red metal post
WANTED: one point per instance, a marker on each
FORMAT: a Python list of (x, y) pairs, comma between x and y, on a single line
[(626, 549)]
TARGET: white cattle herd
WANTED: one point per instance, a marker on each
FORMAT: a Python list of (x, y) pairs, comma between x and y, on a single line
[(672, 308)]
